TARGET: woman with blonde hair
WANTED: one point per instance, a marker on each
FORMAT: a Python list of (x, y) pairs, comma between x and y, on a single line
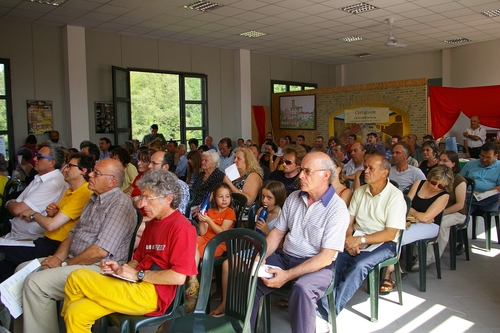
[(251, 174)]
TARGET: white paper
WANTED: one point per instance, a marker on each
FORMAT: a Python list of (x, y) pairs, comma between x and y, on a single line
[(11, 290), (118, 277), (232, 172), (367, 247), (10, 242), (484, 195)]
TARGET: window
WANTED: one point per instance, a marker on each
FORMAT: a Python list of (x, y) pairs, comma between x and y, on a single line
[(284, 86), (177, 102), (6, 106)]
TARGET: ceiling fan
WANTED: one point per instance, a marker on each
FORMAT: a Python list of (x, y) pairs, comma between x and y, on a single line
[(391, 41)]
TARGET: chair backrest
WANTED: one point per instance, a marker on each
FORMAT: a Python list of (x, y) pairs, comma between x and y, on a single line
[(395, 183), (11, 191), (192, 195), (471, 186), (252, 211), (195, 224), (243, 247), (132, 240), (239, 205)]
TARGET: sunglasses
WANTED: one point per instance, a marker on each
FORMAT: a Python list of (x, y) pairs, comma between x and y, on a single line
[(288, 162), (39, 156), (435, 183)]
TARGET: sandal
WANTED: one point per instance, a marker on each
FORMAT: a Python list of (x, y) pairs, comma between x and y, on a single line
[(283, 303), (387, 286), (192, 291)]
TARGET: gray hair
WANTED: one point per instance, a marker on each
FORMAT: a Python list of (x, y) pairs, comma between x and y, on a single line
[(162, 183), (214, 156), (327, 164), (56, 153)]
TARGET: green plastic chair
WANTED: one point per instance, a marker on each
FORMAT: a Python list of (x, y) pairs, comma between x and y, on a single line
[(487, 217), (452, 240), (192, 195), (374, 274), (243, 247), (239, 205)]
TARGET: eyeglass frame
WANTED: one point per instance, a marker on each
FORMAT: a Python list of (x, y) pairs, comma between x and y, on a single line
[(308, 171), (435, 183), (38, 156), (98, 173), (69, 165)]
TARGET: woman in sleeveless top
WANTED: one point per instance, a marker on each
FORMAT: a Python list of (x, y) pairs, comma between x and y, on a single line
[(339, 181), (428, 200), (251, 173)]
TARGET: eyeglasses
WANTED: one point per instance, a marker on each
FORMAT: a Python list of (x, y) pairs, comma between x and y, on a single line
[(155, 163), (435, 183), (39, 156), (309, 172), (69, 165), (481, 156), (98, 173), (148, 199), (287, 162)]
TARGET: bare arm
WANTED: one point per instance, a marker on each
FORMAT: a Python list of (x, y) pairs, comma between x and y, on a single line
[(208, 222), (91, 255), (437, 207), (59, 256), (49, 223), (16, 208), (161, 277), (460, 192)]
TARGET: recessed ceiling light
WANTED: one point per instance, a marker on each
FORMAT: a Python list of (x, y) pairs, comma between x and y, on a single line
[(362, 55), (491, 13), (204, 6), (50, 2), (358, 8), (350, 39), (457, 41), (253, 34)]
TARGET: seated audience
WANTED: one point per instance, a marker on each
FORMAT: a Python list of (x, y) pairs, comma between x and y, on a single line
[(289, 176), (250, 179), (105, 228), (159, 265), (358, 151), (47, 187), (311, 243), (59, 220), (455, 210), (23, 169), (208, 143), (339, 181), (181, 162), (254, 148), (226, 154), (377, 214), (402, 173), (372, 142)]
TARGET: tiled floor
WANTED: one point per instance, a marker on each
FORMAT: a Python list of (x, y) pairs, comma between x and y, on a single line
[(464, 300)]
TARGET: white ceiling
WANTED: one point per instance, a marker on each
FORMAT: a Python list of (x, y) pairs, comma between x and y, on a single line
[(301, 29)]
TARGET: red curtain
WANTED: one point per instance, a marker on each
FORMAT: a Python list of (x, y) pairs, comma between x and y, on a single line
[(259, 114), (447, 103)]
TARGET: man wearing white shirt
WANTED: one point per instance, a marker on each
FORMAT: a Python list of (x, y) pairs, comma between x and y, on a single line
[(474, 138), (47, 187)]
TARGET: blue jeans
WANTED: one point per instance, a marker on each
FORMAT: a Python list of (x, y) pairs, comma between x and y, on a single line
[(305, 293), (352, 271)]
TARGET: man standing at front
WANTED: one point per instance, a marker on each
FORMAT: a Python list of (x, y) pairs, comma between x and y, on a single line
[(153, 134), (378, 213), (313, 224), (474, 138), (104, 228)]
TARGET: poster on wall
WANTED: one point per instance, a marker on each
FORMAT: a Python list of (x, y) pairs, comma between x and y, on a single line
[(298, 112), (104, 117), (39, 116)]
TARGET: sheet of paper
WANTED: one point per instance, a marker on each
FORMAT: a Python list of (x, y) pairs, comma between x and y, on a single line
[(367, 247), (11, 290), (118, 277), (10, 242), (484, 195), (232, 172)]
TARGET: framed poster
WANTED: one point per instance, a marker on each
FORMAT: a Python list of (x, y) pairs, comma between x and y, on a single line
[(298, 112), (104, 117), (39, 116)]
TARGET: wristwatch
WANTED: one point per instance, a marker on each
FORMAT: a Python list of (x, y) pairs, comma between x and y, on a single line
[(32, 216), (64, 264), (363, 240), (140, 275)]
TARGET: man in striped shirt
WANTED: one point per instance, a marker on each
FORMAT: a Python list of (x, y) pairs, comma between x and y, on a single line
[(312, 223)]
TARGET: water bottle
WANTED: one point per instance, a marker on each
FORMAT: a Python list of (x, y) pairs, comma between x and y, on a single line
[(205, 205), (262, 215)]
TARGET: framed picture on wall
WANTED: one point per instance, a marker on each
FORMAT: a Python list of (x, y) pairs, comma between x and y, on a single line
[(298, 112), (104, 117), (39, 116)]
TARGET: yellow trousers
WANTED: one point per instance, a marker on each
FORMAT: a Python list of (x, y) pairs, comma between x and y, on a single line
[(91, 295)]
